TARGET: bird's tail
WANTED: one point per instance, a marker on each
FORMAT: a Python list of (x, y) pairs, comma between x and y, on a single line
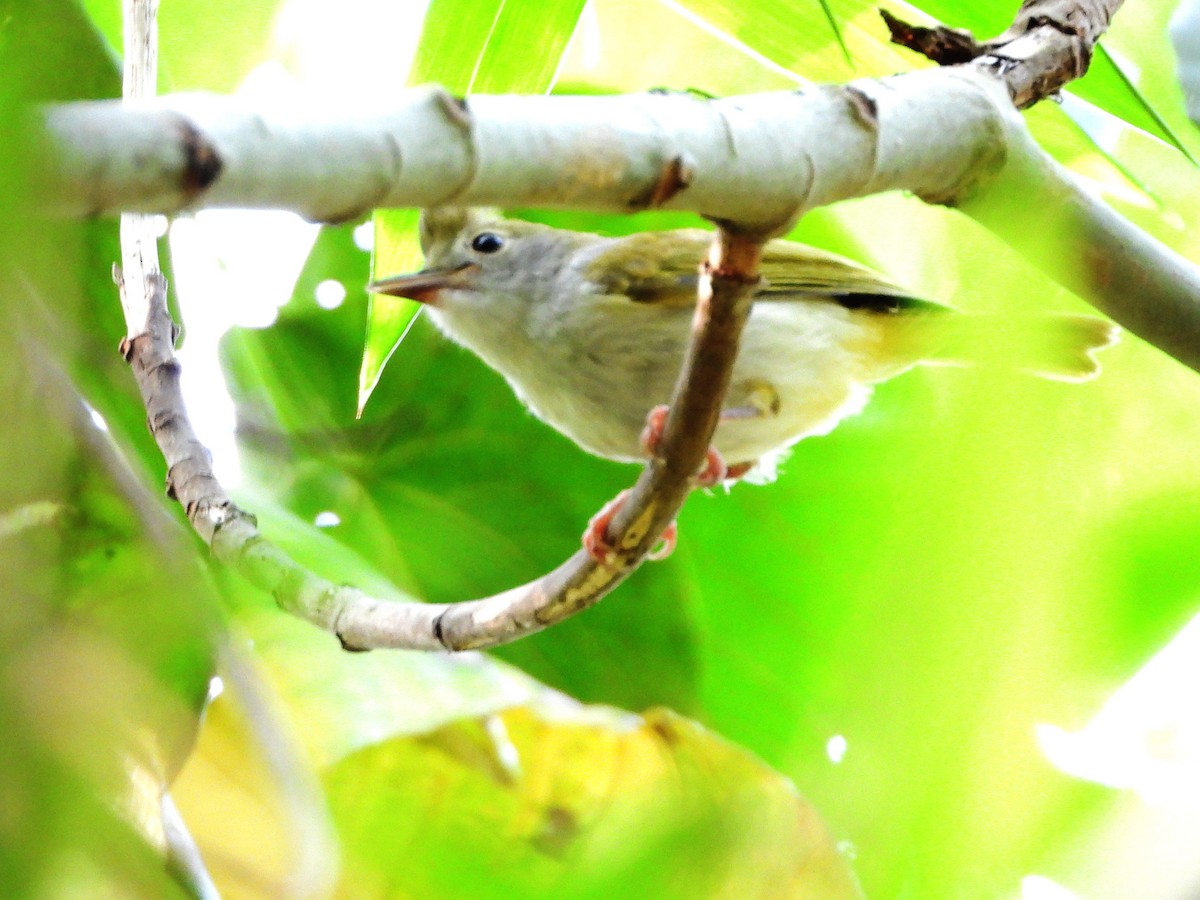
[(1061, 346)]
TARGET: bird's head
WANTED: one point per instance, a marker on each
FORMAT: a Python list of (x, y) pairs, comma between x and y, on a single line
[(476, 260)]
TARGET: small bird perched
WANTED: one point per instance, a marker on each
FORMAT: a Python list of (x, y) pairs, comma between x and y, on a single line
[(591, 331)]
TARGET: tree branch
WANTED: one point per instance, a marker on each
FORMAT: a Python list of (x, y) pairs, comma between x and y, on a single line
[(139, 242), (951, 136), (1048, 45)]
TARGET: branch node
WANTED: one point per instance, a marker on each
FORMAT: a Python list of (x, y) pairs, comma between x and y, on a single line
[(675, 176), (439, 629), (347, 646), (455, 108), (863, 107), (202, 163)]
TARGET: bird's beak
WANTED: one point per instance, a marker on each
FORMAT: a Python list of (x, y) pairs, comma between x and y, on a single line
[(423, 286)]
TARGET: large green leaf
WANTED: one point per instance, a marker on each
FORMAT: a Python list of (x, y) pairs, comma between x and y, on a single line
[(557, 800), (466, 47)]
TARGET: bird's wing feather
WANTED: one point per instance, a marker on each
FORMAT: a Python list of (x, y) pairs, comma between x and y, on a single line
[(662, 268)]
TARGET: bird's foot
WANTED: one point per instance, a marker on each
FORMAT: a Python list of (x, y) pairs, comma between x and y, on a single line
[(737, 470), (714, 471), (595, 537)]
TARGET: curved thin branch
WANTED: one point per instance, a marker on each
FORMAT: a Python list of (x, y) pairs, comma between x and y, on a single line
[(728, 280), (363, 622)]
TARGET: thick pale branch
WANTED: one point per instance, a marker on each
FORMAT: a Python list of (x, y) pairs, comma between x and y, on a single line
[(756, 159), (1061, 226)]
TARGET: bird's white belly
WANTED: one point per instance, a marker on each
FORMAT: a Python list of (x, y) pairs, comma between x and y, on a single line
[(810, 355)]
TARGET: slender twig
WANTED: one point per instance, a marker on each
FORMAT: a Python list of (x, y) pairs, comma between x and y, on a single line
[(139, 241), (136, 279)]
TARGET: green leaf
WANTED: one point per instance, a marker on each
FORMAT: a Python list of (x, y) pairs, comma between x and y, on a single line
[(1113, 89), (188, 32), (822, 42), (557, 799), (466, 46)]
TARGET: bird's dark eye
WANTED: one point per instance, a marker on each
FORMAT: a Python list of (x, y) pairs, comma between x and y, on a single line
[(487, 242)]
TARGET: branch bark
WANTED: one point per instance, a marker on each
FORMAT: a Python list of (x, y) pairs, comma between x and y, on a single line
[(139, 242), (1048, 45)]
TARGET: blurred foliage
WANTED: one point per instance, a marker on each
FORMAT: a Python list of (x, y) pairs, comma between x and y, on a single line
[(106, 637), (885, 626)]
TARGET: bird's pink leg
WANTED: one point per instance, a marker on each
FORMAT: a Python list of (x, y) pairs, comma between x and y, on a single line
[(595, 537), (714, 472)]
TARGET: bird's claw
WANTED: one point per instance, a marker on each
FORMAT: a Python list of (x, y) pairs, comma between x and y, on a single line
[(714, 472), (595, 536)]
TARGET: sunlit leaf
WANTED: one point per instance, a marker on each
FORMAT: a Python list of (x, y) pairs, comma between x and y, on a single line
[(466, 47), (557, 799), (189, 31), (1126, 101)]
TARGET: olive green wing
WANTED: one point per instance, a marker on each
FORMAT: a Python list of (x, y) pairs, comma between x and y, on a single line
[(798, 272), (658, 267), (662, 268)]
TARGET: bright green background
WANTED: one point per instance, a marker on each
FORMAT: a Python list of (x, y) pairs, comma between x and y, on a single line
[(973, 555)]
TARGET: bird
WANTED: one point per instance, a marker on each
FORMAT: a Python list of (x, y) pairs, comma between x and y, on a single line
[(590, 332)]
